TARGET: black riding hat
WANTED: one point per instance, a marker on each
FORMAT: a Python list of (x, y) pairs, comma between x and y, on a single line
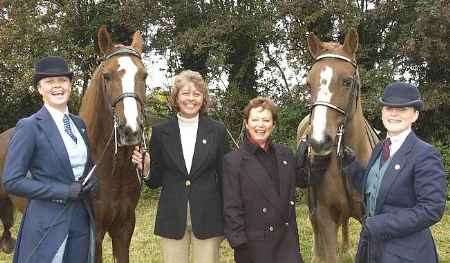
[(50, 67), (401, 94)]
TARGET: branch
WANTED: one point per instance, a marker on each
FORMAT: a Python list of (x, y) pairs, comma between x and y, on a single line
[(272, 60)]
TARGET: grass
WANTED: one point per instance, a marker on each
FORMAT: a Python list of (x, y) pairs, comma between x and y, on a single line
[(145, 245)]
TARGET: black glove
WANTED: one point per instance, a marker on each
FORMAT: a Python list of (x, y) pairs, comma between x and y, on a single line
[(242, 254), (349, 155), (302, 153), (75, 190), (91, 186), (319, 164)]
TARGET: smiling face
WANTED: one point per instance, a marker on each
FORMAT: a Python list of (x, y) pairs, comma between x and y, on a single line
[(260, 125), (398, 119), (189, 100), (55, 91)]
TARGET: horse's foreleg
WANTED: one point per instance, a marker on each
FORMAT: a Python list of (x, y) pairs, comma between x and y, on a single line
[(346, 256), (325, 237), (7, 243), (121, 234), (99, 236)]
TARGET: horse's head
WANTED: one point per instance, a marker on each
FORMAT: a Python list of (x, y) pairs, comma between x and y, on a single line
[(334, 88), (123, 74)]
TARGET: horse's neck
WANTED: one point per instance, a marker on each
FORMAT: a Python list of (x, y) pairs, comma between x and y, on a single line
[(97, 117), (357, 136)]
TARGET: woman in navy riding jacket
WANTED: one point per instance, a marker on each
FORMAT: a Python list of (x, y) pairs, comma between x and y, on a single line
[(404, 186)]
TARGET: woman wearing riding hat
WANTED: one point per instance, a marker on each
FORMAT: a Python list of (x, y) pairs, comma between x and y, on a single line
[(48, 162), (404, 186)]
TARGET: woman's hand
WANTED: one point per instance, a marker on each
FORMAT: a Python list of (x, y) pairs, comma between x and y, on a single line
[(137, 158)]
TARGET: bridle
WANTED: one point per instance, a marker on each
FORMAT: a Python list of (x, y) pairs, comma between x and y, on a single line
[(354, 96), (125, 50)]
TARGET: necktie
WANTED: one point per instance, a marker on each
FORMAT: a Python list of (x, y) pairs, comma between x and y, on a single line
[(386, 151), (67, 128)]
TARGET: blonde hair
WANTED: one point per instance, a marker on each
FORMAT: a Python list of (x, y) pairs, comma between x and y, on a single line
[(180, 81)]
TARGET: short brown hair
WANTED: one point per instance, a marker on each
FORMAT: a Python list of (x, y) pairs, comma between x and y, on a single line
[(195, 78), (263, 102)]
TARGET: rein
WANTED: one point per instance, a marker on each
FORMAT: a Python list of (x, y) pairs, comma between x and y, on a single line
[(132, 52)]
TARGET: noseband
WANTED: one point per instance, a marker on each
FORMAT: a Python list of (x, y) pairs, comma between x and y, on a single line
[(354, 95)]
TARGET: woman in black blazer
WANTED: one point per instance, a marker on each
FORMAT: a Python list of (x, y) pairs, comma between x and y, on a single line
[(259, 183), (186, 161)]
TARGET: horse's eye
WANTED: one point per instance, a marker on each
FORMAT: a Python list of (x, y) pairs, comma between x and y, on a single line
[(347, 82), (107, 76)]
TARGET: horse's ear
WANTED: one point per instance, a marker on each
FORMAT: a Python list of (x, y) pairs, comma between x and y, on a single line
[(138, 42), (351, 42), (104, 40), (314, 45)]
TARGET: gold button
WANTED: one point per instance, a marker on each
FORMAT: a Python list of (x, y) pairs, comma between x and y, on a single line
[(286, 224), (291, 202), (271, 228), (188, 182), (264, 210)]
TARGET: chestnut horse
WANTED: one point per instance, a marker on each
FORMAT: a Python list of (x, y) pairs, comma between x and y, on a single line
[(112, 109), (336, 120)]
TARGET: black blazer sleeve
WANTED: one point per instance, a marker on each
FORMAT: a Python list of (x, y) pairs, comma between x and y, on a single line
[(155, 176), (233, 205)]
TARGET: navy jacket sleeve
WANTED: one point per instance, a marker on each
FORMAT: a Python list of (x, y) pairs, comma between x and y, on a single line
[(18, 162), (430, 186)]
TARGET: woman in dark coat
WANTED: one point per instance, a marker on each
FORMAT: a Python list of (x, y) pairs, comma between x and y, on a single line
[(186, 161), (47, 162), (404, 186), (259, 193)]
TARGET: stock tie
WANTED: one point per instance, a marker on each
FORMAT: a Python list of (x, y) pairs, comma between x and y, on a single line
[(386, 151), (67, 128)]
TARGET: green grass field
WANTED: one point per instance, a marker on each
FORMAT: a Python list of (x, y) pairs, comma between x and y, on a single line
[(145, 245)]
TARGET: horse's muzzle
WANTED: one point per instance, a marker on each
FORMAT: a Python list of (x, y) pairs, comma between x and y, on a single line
[(322, 147), (128, 137)]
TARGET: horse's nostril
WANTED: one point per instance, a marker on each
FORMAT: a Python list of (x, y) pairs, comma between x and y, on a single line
[(321, 146)]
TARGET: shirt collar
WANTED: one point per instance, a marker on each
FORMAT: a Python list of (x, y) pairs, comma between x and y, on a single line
[(254, 147), (397, 140), (187, 120), (57, 115)]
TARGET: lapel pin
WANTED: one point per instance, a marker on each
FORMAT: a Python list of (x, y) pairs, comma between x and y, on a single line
[(204, 141), (397, 167), (284, 162)]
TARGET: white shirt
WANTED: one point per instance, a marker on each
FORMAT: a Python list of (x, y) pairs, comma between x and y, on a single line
[(77, 152), (188, 136), (397, 141)]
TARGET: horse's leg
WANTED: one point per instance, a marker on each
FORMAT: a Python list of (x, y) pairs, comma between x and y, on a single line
[(326, 237), (121, 233), (345, 254), (7, 243), (99, 236), (317, 240)]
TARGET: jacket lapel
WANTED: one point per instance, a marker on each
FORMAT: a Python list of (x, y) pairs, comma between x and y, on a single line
[(173, 142), (395, 166), (261, 178), (48, 126), (203, 144)]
